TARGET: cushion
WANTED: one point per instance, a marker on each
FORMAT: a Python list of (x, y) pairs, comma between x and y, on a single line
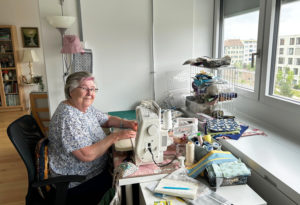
[(42, 168)]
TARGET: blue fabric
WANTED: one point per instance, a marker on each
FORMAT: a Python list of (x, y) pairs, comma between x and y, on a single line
[(234, 136)]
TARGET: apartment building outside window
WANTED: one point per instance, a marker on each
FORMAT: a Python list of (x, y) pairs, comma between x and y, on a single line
[(290, 61), (298, 41), (292, 41), (282, 41), (290, 51), (281, 50), (280, 60)]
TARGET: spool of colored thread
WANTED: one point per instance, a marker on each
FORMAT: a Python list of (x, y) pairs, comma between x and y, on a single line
[(199, 138), (207, 138), (190, 154)]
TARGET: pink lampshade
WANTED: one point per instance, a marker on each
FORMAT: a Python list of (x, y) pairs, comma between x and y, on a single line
[(71, 44)]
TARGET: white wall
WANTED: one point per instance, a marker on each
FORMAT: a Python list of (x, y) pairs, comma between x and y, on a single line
[(120, 35), (24, 14), (52, 44)]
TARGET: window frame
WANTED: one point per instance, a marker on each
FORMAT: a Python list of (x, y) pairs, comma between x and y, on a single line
[(269, 13)]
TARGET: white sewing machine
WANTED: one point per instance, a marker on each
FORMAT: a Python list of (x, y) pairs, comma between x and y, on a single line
[(150, 136)]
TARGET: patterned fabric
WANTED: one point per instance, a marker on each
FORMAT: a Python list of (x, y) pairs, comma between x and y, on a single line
[(126, 169), (233, 169), (228, 173), (222, 125), (42, 169), (70, 130)]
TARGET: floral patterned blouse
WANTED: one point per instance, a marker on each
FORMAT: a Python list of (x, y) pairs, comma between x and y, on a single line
[(69, 130)]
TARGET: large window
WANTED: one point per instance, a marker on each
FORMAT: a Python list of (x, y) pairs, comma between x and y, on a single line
[(285, 83), (244, 26), (240, 32)]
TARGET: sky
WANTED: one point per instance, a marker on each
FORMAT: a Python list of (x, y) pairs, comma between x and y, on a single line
[(246, 26)]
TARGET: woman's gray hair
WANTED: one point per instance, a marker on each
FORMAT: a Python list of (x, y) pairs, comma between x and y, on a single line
[(74, 80)]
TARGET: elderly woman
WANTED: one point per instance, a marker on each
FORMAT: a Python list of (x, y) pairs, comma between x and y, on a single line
[(77, 143)]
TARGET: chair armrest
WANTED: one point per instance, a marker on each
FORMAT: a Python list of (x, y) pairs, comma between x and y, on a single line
[(59, 179)]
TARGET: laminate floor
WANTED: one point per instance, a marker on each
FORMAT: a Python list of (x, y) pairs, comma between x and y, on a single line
[(13, 174)]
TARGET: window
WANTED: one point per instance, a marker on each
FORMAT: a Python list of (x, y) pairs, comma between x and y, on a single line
[(290, 51), (282, 82), (292, 41), (294, 82), (281, 61), (281, 50), (298, 41), (241, 30), (273, 34)]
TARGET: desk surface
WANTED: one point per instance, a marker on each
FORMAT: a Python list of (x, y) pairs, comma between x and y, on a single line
[(238, 194), (148, 172)]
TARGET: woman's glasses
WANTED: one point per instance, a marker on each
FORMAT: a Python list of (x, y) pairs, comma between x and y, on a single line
[(91, 90)]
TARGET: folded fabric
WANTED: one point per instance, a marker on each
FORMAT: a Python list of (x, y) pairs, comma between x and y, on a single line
[(234, 136), (213, 157), (232, 169), (222, 125)]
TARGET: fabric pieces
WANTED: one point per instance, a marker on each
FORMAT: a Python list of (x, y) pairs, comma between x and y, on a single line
[(228, 173), (222, 125), (234, 136), (126, 169), (213, 157)]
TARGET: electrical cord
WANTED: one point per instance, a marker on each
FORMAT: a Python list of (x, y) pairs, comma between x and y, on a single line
[(160, 165)]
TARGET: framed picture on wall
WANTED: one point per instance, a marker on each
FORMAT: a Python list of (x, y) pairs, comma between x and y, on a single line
[(30, 37)]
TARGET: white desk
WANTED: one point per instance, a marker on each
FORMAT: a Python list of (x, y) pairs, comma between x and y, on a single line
[(237, 194)]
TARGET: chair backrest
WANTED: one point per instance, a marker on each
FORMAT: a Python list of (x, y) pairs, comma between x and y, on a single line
[(25, 134), (40, 110)]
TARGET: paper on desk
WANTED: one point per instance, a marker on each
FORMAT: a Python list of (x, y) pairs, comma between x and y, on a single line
[(190, 193), (204, 194)]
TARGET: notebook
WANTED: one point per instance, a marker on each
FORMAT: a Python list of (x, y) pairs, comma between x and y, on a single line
[(179, 188)]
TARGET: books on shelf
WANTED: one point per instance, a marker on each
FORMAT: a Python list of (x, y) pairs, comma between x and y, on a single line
[(12, 100)]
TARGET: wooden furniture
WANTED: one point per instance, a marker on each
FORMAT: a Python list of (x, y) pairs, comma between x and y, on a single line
[(11, 93), (40, 110)]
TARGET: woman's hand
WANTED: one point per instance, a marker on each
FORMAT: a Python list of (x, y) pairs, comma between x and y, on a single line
[(131, 124), (125, 134)]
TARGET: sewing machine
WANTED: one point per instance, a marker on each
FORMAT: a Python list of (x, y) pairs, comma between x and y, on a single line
[(150, 137)]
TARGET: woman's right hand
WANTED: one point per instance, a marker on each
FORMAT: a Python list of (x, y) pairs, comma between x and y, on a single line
[(125, 134)]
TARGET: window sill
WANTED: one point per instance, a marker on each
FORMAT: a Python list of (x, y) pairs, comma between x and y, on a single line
[(274, 157)]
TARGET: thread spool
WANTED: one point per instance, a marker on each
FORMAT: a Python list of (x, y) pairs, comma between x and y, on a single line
[(207, 138), (167, 119), (189, 154), (200, 138)]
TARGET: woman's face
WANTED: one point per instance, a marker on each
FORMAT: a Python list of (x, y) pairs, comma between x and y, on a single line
[(83, 96)]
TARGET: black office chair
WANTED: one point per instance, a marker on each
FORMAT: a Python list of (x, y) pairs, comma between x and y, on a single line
[(25, 134)]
